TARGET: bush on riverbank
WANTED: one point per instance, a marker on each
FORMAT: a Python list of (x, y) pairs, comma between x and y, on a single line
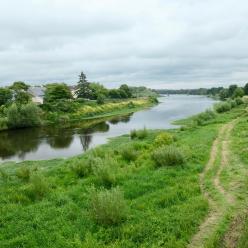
[(168, 155), (222, 107), (108, 207)]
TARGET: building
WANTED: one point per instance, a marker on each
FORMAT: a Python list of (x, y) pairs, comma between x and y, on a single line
[(37, 93)]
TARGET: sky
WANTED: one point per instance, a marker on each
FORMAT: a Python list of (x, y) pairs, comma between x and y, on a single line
[(157, 43)]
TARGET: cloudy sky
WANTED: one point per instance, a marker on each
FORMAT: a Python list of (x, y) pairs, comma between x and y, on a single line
[(157, 43)]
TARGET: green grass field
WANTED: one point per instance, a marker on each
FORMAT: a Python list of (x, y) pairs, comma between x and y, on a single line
[(117, 195)]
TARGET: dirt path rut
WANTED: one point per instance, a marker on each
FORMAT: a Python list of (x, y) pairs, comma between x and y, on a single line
[(220, 147)]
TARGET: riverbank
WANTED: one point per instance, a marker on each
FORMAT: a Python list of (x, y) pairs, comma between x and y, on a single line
[(52, 203)]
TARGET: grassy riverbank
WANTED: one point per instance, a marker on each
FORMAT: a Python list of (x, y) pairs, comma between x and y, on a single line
[(121, 195)]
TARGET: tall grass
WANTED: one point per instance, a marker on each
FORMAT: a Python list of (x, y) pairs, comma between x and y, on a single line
[(168, 155), (108, 207)]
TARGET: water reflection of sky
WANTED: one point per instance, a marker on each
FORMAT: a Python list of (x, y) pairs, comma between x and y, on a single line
[(48, 143)]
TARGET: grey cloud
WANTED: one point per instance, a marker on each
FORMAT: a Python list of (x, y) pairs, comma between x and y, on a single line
[(159, 43)]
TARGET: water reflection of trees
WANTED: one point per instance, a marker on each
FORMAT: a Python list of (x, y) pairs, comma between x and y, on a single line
[(117, 119), (19, 142), (59, 138)]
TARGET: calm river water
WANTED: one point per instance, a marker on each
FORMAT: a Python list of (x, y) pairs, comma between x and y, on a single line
[(52, 142)]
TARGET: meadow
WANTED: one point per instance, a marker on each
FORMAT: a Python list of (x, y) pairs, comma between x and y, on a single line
[(139, 190)]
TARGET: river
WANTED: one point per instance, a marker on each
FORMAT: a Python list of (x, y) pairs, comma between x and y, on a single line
[(52, 142)]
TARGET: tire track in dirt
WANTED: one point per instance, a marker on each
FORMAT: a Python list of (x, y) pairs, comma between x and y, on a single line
[(216, 210)]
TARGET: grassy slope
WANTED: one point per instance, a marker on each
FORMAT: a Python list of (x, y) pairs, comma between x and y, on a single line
[(165, 205)]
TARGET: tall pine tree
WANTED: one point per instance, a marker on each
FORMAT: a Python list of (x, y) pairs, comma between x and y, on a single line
[(83, 87)]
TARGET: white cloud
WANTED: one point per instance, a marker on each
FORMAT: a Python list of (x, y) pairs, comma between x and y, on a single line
[(159, 43)]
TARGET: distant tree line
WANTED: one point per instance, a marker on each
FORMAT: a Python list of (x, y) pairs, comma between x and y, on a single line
[(232, 91)]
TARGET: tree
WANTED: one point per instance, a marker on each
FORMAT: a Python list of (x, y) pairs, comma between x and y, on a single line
[(19, 85), (114, 93), (5, 96), (57, 91), (246, 89), (239, 92), (97, 90), (126, 89), (231, 89), (224, 93), (22, 97), (27, 115), (83, 87)]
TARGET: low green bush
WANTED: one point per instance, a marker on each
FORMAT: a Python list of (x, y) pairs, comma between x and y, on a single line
[(108, 207), (4, 175), (222, 107), (232, 103), (239, 101), (23, 173), (105, 172), (38, 188), (139, 134), (204, 117), (163, 139), (82, 168), (168, 155), (129, 153)]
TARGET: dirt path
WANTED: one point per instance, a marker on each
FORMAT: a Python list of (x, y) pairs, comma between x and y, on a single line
[(216, 209)]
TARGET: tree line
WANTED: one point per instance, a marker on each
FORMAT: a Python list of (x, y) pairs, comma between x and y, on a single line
[(232, 91)]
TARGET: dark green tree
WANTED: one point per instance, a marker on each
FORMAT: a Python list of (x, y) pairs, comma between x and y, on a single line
[(57, 91), (22, 97), (5, 96), (83, 87), (224, 93), (239, 92), (231, 89), (246, 89), (127, 91), (19, 85)]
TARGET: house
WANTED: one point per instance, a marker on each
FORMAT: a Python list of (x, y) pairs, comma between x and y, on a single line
[(37, 93)]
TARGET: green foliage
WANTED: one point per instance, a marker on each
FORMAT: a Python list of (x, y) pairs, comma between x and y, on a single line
[(83, 87), (232, 89), (23, 173), (4, 175), (108, 207), (19, 86), (222, 107), (163, 139), (153, 99), (27, 115), (232, 103), (22, 97), (5, 96), (139, 134), (238, 92), (105, 171), (239, 101), (38, 188), (57, 91), (142, 91), (224, 94), (127, 92), (204, 117), (100, 99), (129, 153), (246, 89), (97, 90), (82, 168), (168, 155)]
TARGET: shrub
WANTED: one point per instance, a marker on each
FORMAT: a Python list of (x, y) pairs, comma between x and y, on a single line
[(163, 138), (129, 153), (27, 115), (100, 99), (38, 188), (233, 103), (222, 107), (105, 172), (202, 118), (133, 134), (4, 175), (82, 168), (23, 173), (108, 207), (239, 101), (168, 155)]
